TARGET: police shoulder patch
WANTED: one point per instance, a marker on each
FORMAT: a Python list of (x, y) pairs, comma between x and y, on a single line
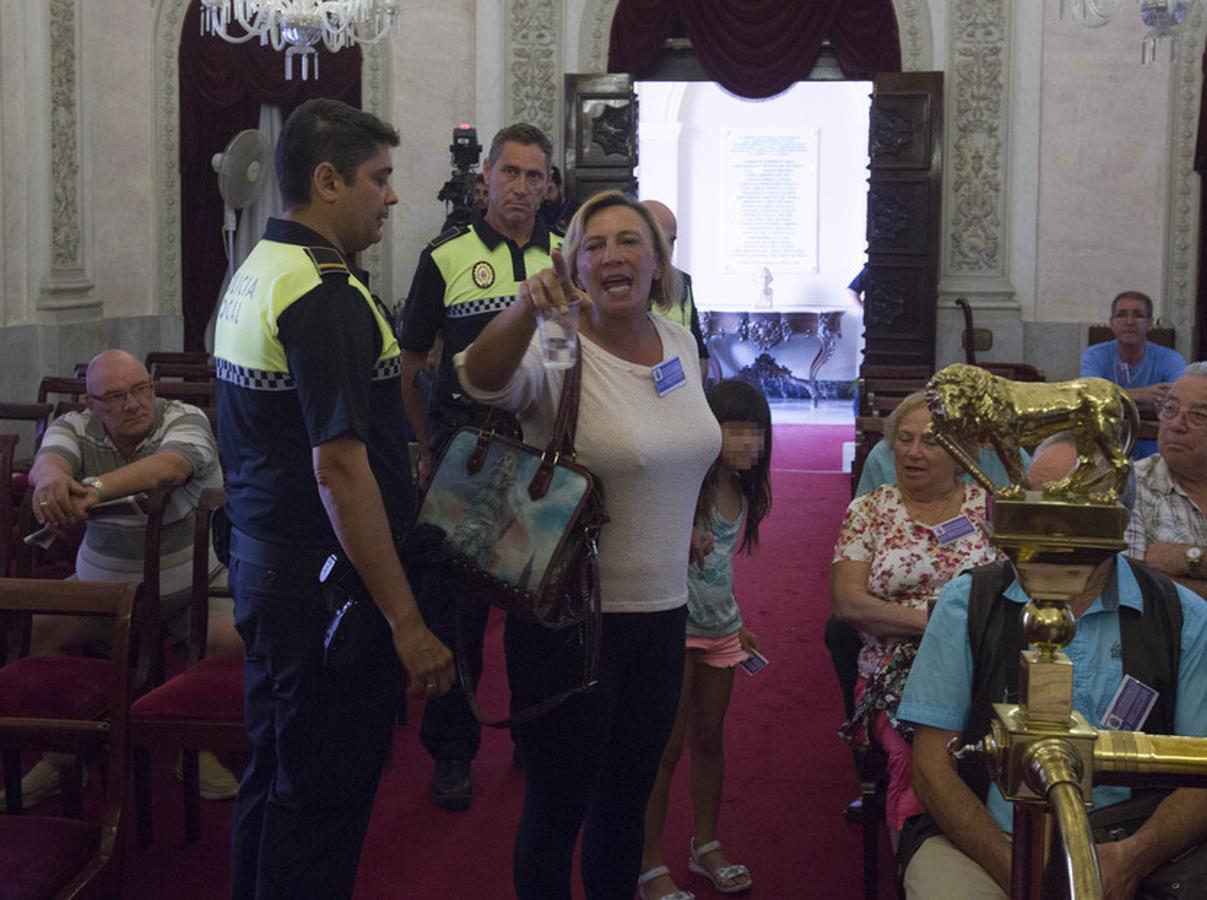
[(445, 236), (484, 274), (327, 260)]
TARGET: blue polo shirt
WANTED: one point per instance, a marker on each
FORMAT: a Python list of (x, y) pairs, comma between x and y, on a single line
[(938, 692), (1159, 364)]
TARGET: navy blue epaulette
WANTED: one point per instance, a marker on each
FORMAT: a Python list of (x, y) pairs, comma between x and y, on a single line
[(445, 236), (327, 260)]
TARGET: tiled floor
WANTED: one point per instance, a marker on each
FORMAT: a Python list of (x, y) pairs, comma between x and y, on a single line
[(801, 412)]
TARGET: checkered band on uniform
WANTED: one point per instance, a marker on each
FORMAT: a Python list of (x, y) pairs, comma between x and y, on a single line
[(387, 368), (475, 307), (256, 379)]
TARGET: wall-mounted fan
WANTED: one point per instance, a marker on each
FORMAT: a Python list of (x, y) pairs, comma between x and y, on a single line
[(243, 168)]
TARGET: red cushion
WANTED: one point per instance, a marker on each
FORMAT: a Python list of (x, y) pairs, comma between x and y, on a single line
[(38, 854), (212, 689), (55, 687)]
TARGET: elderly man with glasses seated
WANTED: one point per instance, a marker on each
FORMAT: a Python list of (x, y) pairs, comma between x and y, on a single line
[(127, 441), (1168, 529), (1143, 369)]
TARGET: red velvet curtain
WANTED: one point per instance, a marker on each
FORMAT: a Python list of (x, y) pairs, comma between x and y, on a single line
[(222, 87), (758, 48)]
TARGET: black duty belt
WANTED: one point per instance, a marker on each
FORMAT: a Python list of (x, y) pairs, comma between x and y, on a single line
[(299, 560)]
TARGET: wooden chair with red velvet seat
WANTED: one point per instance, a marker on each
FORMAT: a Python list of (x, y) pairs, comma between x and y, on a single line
[(202, 707), (62, 856), (73, 686)]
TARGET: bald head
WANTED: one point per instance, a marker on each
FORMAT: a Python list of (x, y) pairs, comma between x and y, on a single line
[(110, 366), (665, 218), (1052, 461)]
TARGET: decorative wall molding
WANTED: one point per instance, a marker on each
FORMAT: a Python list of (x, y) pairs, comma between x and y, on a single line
[(977, 159), (67, 282), (1182, 243), (917, 41), (532, 60), (375, 97), (166, 96), (975, 225), (594, 35)]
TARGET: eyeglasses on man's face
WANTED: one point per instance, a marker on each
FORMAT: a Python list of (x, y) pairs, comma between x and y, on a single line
[(1196, 416), (139, 392), (1131, 314)]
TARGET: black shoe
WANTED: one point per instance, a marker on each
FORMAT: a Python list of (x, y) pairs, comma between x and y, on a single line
[(451, 788)]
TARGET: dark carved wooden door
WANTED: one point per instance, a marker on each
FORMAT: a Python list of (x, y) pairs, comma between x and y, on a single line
[(601, 135), (904, 208)]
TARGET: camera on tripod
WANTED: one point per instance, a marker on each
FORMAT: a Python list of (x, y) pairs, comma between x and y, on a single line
[(458, 192)]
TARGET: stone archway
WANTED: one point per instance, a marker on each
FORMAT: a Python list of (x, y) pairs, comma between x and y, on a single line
[(169, 17)]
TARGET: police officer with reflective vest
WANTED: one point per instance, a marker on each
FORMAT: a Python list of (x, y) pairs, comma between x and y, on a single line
[(311, 433), (464, 278), (684, 311)]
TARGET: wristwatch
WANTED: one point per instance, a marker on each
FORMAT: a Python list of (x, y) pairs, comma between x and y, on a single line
[(95, 483), (1194, 562)]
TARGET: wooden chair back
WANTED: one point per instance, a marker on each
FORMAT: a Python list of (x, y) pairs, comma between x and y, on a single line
[(72, 389), (182, 371), (1163, 335), (187, 357), (37, 415), (39, 843), (197, 393), (8, 517)]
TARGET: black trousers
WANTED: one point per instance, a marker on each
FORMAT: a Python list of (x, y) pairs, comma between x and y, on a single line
[(449, 729), (592, 761), (319, 739)]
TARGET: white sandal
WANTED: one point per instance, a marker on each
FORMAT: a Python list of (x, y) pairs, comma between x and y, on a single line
[(649, 875), (722, 878)]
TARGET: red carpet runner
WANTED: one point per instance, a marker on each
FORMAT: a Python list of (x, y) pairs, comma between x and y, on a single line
[(788, 775)]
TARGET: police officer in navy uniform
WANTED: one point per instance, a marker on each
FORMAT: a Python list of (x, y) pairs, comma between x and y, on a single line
[(684, 311), (464, 278), (311, 433)]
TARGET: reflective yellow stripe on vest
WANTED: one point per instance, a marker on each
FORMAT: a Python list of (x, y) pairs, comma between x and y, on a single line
[(247, 345)]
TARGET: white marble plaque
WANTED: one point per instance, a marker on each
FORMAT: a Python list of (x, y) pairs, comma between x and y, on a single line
[(769, 205)]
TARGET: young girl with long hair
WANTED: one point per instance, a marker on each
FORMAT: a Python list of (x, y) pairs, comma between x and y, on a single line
[(734, 500)]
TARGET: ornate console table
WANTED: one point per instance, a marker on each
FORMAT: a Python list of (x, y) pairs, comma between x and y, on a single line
[(766, 330)]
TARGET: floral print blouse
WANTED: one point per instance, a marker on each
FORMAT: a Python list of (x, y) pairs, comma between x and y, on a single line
[(908, 564)]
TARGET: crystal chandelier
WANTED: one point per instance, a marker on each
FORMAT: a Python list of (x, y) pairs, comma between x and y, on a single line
[(1161, 16), (297, 26)]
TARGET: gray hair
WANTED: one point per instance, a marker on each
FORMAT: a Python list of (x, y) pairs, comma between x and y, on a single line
[(1196, 368)]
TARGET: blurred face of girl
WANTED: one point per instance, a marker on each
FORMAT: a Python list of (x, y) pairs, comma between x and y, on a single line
[(617, 262), (741, 445), (921, 463)]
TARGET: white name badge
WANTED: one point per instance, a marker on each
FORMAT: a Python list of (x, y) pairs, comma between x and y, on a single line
[(953, 529), (1130, 706), (668, 376)]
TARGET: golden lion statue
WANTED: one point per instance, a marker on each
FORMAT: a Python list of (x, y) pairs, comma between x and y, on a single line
[(969, 405)]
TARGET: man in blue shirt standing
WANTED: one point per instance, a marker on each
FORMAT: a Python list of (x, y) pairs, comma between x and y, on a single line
[(1145, 370)]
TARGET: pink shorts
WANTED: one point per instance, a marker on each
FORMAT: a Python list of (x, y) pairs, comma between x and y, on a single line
[(720, 653)]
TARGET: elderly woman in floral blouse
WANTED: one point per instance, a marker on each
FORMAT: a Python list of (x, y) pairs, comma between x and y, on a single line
[(899, 545)]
